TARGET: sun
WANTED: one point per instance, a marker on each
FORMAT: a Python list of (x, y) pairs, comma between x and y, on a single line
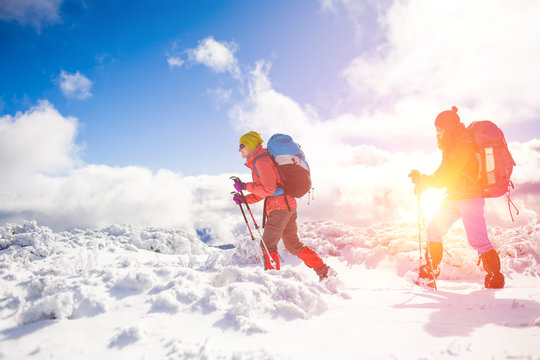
[(430, 201)]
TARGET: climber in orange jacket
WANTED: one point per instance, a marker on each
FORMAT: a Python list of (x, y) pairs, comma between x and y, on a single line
[(279, 207)]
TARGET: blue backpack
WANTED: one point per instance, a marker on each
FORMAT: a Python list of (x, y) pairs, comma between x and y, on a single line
[(291, 164)]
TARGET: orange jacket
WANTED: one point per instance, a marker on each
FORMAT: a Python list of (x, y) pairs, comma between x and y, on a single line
[(265, 182), (458, 172)]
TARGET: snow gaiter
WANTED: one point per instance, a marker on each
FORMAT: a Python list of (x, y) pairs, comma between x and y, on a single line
[(310, 258), (267, 263), (436, 253), (492, 264)]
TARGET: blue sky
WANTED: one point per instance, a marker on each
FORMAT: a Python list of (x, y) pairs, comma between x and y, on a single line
[(120, 111), (143, 112)]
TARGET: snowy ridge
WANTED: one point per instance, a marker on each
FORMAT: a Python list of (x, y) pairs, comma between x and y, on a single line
[(163, 290), (397, 244), (69, 275)]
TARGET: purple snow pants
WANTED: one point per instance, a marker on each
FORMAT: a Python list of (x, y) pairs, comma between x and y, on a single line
[(471, 212)]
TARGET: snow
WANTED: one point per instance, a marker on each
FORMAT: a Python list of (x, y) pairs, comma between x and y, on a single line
[(161, 293)]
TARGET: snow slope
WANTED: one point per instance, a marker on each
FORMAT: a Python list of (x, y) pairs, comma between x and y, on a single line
[(160, 293)]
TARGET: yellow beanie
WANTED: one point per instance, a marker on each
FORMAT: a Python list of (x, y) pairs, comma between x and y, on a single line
[(251, 139)]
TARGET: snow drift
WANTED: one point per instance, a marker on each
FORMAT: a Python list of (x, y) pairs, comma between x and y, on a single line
[(161, 292)]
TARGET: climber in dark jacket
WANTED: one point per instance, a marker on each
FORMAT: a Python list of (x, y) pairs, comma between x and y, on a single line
[(457, 173)]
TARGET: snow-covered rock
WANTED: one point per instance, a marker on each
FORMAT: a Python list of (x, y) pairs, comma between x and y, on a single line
[(163, 293)]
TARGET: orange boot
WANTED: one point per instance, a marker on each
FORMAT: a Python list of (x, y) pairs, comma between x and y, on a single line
[(267, 263)]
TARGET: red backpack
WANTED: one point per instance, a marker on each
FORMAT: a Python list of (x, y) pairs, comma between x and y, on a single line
[(496, 162)]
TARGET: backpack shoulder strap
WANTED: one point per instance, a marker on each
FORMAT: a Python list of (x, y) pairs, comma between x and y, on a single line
[(255, 162), (279, 191)]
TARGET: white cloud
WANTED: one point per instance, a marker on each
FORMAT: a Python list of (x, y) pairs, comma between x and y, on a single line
[(355, 8), (433, 59), (328, 5), (219, 56), (267, 110), (43, 179), (403, 85), (221, 95), (481, 56), (75, 86), (174, 61), (40, 140), (360, 184), (36, 13), (362, 14)]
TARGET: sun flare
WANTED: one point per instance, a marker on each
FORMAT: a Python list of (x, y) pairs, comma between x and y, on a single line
[(431, 201)]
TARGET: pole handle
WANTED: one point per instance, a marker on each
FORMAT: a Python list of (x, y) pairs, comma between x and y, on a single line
[(237, 180)]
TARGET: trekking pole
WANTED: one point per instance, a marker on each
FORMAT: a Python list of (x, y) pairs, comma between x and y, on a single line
[(418, 193), (419, 211), (237, 180), (250, 233)]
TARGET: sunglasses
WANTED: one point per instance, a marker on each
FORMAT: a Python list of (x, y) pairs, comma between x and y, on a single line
[(242, 146)]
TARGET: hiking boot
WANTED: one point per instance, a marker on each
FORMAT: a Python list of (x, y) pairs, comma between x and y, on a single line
[(494, 281), (492, 264), (424, 272), (324, 271)]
